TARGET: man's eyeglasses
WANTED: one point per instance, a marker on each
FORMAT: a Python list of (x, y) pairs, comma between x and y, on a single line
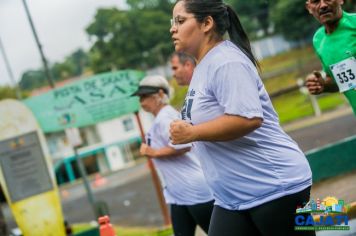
[(179, 20)]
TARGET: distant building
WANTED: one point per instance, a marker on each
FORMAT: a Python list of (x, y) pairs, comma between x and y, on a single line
[(107, 145)]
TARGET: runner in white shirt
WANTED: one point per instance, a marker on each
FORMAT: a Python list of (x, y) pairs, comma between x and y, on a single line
[(257, 173), (183, 182)]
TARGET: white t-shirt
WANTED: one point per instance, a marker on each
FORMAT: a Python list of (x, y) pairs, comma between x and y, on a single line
[(182, 178), (265, 164)]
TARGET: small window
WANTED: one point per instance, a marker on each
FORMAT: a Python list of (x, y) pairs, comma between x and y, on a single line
[(128, 124)]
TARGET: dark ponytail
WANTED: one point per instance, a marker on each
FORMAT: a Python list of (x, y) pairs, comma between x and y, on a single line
[(238, 35), (225, 19)]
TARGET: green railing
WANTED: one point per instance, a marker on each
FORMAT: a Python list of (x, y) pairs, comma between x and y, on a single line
[(66, 162), (333, 159)]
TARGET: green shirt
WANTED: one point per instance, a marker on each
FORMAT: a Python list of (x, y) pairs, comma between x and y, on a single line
[(338, 46)]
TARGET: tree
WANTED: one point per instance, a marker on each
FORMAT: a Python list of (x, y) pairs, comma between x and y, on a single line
[(162, 5), (254, 14), (79, 61), (9, 92), (32, 79), (293, 20), (137, 38), (350, 5), (73, 65), (62, 70)]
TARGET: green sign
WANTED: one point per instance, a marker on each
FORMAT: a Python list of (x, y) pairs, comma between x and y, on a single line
[(88, 101)]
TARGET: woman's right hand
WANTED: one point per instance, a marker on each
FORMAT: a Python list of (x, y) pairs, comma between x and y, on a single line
[(181, 132)]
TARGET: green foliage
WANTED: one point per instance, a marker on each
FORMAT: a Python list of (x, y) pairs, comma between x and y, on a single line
[(293, 20), (9, 92), (290, 18), (137, 39), (254, 14), (62, 70), (32, 79), (73, 65), (179, 94), (349, 6), (79, 60), (128, 231), (163, 5)]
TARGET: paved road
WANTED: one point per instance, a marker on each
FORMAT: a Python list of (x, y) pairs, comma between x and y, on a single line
[(131, 203), (324, 133), (130, 194), (134, 203)]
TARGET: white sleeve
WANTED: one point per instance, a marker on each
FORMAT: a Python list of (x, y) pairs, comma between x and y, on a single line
[(235, 87), (164, 133)]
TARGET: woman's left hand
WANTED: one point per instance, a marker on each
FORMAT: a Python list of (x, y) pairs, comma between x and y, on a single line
[(181, 132)]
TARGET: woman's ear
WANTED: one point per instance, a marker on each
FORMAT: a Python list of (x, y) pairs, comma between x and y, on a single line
[(208, 24)]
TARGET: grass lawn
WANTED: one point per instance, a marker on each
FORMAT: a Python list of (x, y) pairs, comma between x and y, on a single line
[(143, 231), (286, 59), (282, 81), (297, 105), (77, 228), (128, 231)]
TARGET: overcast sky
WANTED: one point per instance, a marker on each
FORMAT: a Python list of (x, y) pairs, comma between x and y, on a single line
[(60, 25)]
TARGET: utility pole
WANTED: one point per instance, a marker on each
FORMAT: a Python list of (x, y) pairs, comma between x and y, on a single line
[(9, 71), (44, 61)]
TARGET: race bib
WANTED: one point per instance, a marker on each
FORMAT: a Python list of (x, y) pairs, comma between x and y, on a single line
[(344, 74)]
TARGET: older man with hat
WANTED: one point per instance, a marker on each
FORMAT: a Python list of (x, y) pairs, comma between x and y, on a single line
[(183, 182)]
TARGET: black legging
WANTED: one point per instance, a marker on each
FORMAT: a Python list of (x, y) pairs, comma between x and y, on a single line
[(273, 218), (186, 218)]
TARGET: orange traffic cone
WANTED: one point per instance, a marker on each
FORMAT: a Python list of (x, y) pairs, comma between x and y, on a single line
[(99, 180), (106, 228)]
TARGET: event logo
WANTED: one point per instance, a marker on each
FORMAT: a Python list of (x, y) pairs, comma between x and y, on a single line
[(328, 214)]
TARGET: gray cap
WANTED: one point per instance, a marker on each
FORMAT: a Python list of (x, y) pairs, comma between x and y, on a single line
[(152, 84)]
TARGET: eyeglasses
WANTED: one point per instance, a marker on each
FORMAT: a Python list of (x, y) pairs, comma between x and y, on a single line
[(316, 2), (179, 20)]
